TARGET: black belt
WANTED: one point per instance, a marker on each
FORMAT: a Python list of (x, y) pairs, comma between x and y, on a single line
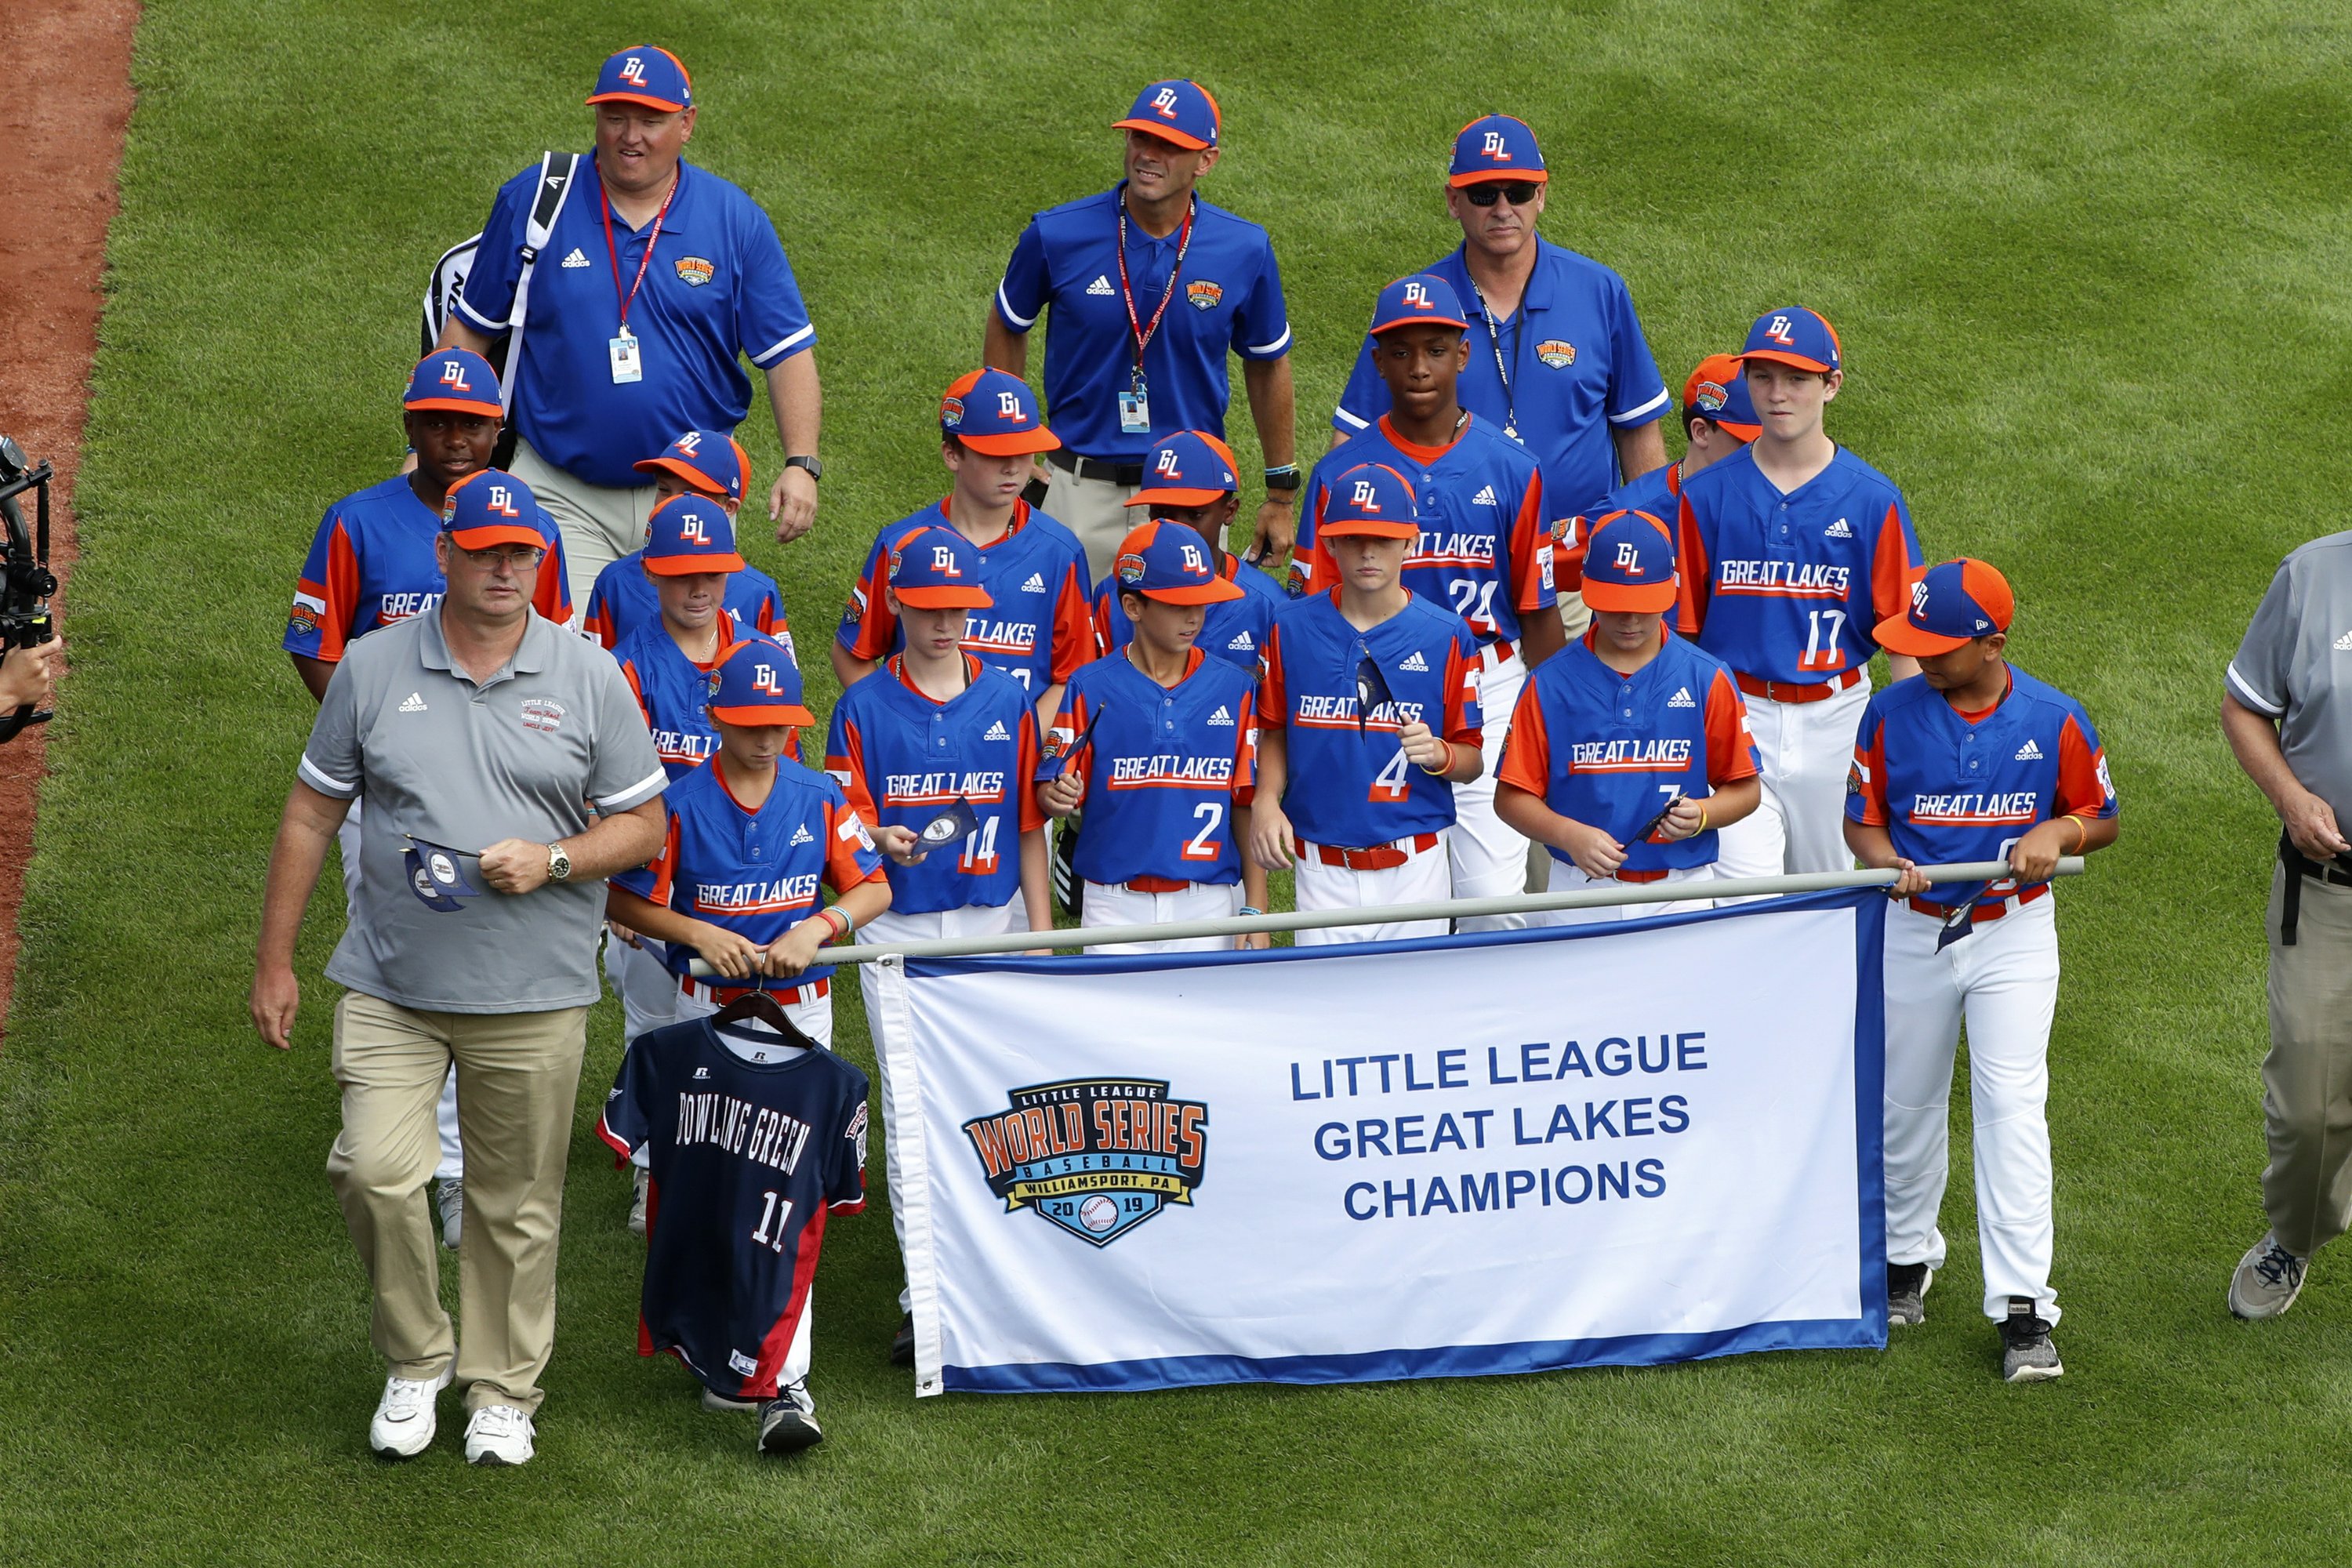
[(1128, 473), (2299, 865)]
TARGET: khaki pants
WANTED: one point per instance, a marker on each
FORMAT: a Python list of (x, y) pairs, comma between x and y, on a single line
[(1096, 511), (518, 1078), (2307, 1076), (599, 525), (1574, 617)]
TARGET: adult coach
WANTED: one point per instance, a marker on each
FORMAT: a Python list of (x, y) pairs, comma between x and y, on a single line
[(2287, 711), (655, 276), (481, 725), (1148, 287), (1558, 360)]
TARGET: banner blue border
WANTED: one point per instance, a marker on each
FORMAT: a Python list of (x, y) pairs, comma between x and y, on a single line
[(1866, 1330)]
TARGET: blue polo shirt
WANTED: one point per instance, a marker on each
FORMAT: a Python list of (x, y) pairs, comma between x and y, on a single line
[(1579, 367), (718, 285), (1228, 295)]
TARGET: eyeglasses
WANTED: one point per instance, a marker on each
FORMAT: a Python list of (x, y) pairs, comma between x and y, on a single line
[(520, 557), (1518, 193)]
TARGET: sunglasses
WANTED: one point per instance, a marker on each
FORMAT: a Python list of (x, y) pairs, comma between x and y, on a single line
[(1518, 193)]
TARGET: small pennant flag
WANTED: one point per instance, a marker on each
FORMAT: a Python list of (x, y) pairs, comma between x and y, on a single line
[(1371, 690), (1069, 758), (957, 821), (1658, 821), (421, 883), (439, 865), (1963, 918)]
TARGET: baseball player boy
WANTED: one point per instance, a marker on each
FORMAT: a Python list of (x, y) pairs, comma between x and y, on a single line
[(371, 563), (1368, 718), (703, 463), (939, 734), (1717, 420), (1484, 553), (1190, 478), (1629, 752), (1973, 760), (1793, 550), (1159, 741), (1028, 569)]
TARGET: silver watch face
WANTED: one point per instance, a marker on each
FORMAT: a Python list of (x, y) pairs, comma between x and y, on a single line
[(559, 864)]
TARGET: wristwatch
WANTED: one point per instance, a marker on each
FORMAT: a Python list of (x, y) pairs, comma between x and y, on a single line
[(559, 864), (1286, 478), (816, 469)]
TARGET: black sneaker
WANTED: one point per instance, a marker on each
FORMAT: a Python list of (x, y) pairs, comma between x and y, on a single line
[(902, 1343), (785, 1427), (1907, 1290), (2026, 1353)]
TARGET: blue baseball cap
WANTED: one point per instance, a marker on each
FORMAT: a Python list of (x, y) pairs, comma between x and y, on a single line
[(646, 75), (1370, 500), (994, 410), (1793, 335), (1717, 392), (455, 379), (709, 460), (1420, 298), (690, 534), (1191, 468), (1176, 112), (1629, 564), (1957, 602), (756, 682), (1496, 147), (490, 506), (937, 568), (1166, 561)]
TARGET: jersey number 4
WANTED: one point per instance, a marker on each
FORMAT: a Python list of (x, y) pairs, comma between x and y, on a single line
[(1392, 783)]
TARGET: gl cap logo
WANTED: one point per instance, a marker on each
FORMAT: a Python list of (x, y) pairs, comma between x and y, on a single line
[(943, 562), (503, 501), (1918, 598), (1779, 333), (633, 70), (453, 373), (693, 533), (1164, 102), (1167, 465), (763, 678), (1008, 405), (1365, 497), (690, 443), (1494, 148), (1629, 557), (1416, 294), (1193, 560)]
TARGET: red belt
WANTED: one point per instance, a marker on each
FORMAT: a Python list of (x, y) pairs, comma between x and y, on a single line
[(703, 991), (1379, 858), (1796, 691), (1658, 876), (1991, 909), (1156, 885)]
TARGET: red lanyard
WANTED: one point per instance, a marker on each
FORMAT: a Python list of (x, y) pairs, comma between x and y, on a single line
[(644, 261), (1139, 334)]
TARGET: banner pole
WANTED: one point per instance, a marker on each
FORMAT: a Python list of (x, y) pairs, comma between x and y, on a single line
[(1728, 887)]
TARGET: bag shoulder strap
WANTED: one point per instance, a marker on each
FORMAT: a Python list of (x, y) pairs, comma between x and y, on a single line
[(557, 173)]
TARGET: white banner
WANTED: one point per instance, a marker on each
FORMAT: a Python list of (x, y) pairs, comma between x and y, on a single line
[(1625, 1142)]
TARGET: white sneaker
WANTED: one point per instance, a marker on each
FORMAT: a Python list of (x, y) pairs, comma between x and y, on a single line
[(449, 1198), (404, 1418), (498, 1435), (641, 1188), (2268, 1279)]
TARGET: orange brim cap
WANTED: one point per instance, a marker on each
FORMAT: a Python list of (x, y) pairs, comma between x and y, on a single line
[(1624, 597), (1012, 444), (945, 598), (777, 713), (488, 534), (1898, 635), (1215, 593), (684, 470), (1369, 528), (688, 565), (1175, 498), (1490, 176), (1802, 361), (1165, 132), (487, 410)]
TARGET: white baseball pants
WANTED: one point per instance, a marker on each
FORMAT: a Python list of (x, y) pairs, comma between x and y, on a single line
[(1116, 904), (1489, 859), (1424, 878), (1569, 879), (1806, 749), (452, 1167), (2001, 980)]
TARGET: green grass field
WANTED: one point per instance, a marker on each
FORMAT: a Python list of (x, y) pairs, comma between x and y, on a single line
[(2081, 255)]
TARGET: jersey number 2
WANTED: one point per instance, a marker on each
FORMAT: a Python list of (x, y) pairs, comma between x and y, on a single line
[(1209, 814)]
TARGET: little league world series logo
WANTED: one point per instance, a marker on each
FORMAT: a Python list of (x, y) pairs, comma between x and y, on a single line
[(1096, 1156)]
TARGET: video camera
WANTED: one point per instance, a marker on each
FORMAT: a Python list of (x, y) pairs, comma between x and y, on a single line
[(26, 581)]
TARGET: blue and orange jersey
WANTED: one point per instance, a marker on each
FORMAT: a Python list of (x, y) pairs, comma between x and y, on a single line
[(901, 757), (1164, 768), (1609, 750), (1951, 786), (674, 693), (1788, 587), (624, 599), (1485, 546), (1232, 629), (1354, 788), (755, 870), (1040, 627), (372, 563)]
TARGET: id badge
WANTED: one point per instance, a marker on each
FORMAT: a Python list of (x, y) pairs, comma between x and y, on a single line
[(627, 366), (1135, 412)]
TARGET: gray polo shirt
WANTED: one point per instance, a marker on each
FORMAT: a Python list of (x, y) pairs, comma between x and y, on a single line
[(2295, 666), (466, 765)]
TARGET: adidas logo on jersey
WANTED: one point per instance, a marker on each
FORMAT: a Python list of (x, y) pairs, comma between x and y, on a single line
[(416, 703), (1681, 699), (1223, 715), (1414, 661), (2344, 643), (1486, 497), (578, 258), (2029, 753), (1242, 641), (997, 732), (1036, 583), (1837, 529), (803, 835), (1101, 285)]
